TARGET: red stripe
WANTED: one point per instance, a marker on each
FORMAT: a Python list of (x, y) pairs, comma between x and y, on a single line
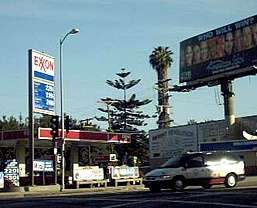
[(86, 136), (73, 135)]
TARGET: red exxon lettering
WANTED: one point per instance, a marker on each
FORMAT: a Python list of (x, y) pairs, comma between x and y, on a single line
[(44, 64)]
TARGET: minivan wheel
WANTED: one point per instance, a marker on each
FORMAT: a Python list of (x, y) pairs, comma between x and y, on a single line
[(230, 180), (178, 184), (154, 188)]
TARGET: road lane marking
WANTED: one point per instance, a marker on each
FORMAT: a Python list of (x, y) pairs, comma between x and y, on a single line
[(182, 202), (214, 203), (124, 204)]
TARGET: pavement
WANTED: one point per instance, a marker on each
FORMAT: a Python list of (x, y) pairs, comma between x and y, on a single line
[(47, 191), (41, 191)]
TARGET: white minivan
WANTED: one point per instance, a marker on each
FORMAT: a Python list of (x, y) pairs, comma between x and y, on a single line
[(197, 168)]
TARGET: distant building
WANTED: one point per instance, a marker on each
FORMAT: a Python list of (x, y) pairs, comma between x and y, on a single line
[(206, 136)]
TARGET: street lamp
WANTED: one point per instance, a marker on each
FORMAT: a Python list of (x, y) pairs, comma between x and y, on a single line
[(73, 31), (108, 104)]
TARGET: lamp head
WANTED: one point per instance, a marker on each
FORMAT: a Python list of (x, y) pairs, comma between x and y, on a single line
[(74, 31)]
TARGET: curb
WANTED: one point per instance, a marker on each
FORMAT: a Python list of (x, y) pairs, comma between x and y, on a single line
[(80, 191)]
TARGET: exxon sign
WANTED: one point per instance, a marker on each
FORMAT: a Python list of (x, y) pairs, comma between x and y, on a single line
[(42, 66)]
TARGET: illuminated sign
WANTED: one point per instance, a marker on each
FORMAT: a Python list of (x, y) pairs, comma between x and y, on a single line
[(225, 50)]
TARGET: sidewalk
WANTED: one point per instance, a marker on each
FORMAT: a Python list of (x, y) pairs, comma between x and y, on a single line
[(46, 191)]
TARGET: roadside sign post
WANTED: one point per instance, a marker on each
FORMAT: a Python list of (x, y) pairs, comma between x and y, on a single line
[(41, 95)]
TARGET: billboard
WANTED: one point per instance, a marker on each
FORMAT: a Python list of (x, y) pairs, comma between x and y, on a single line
[(225, 51), (172, 142), (42, 76)]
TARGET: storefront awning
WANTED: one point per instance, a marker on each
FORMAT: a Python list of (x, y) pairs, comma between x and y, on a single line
[(87, 136), (72, 135)]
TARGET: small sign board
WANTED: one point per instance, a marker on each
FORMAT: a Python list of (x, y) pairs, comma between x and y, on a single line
[(11, 173), (43, 165), (122, 172), (113, 157), (1, 180)]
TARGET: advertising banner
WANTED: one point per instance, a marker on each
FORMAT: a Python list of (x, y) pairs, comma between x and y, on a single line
[(225, 50), (172, 142), (122, 172), (88, 173)]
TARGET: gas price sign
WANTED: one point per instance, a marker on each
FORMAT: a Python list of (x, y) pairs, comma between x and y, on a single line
[(44, 97), (11, 172)]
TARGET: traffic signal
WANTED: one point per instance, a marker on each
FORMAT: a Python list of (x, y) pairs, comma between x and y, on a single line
[(54, 125), (67, 123)]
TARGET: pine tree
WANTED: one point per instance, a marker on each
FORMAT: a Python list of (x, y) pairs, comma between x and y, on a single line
[(123, 115)]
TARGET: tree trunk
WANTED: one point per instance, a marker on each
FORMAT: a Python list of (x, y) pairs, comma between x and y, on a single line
[(163, 99)]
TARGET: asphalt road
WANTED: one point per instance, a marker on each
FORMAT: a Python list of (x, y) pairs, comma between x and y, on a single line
[(242, 197)]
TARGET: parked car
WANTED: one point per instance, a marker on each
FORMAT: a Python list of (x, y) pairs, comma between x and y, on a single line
[(198, 168)]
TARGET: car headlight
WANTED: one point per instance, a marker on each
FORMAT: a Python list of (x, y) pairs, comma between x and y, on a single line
[(165, 176)]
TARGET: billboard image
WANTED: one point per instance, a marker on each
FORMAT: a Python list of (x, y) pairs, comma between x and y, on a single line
[(230, 48)]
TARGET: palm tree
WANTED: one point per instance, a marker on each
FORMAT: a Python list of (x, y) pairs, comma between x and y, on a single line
[(161, 60)]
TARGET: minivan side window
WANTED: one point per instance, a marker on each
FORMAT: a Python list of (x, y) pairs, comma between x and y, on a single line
[(195, 162), (172, 163)]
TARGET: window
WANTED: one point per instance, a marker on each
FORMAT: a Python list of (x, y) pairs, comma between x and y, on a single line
[(195, 162)]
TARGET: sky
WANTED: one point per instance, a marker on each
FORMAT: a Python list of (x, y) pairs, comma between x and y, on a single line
[(114, 34)]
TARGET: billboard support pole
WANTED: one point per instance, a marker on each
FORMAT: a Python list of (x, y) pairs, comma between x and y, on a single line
[(31, 123)]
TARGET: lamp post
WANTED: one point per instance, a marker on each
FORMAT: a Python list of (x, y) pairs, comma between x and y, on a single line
[(108, 103), (73, 31)]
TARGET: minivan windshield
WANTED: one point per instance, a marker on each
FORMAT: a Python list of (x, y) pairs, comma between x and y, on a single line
[(172, 163)]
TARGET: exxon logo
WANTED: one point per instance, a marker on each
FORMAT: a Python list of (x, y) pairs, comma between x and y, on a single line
[(43, 63)]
